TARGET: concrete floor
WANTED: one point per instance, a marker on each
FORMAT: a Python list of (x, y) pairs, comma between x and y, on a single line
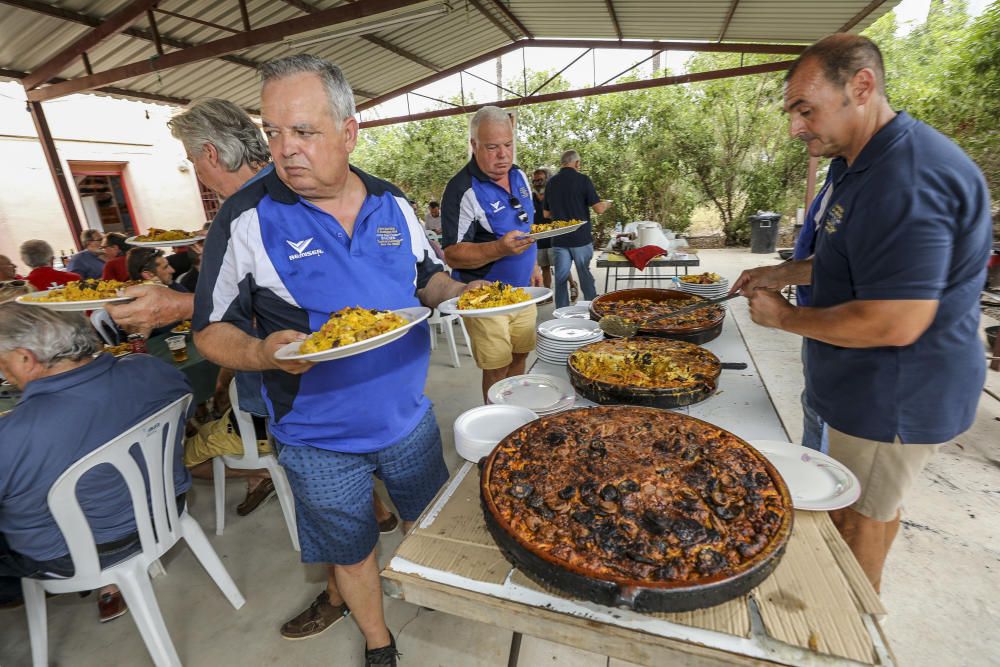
[(941, 583)]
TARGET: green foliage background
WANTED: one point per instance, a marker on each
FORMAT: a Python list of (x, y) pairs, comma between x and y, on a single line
[(662, 152)]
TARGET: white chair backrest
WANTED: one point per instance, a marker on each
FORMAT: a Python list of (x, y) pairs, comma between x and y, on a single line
[(247, 432), (156, 437), (106, 327)]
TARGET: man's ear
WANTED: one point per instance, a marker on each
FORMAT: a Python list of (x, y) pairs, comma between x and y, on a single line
[(211, 153), (863, 86), (350, 129)]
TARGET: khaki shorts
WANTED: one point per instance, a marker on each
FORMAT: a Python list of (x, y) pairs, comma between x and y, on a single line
[(886, 471), (495, 340), (544, 257), (217, 438)]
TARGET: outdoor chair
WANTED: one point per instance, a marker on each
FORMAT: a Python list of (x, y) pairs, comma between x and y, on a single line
[(156, 437), (444, 322), (251, 460)]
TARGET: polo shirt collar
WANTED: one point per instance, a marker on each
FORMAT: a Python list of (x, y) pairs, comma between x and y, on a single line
[(480, 175), (283, 194), (63, 381), (881, 140)]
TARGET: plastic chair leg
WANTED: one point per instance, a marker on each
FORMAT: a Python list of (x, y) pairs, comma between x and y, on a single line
[(219, 481), (209, 560), (156, 569), (465, 335), (285, 499), (38, 628), (145, 611), (449, 332)]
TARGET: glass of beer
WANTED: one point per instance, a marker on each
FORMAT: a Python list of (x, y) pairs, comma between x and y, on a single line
[(178, 348)]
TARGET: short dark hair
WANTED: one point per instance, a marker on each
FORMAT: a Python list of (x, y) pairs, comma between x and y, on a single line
[(842, 55), (142, 259), (434, 204), (116, 239)]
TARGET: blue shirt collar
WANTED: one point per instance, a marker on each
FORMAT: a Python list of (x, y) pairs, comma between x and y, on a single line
[(68, 379), (881, 140)]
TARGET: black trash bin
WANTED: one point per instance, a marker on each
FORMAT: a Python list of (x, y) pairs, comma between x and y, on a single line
[(764, 231)]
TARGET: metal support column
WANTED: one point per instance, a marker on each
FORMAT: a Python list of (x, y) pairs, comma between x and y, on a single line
[(55, 168)]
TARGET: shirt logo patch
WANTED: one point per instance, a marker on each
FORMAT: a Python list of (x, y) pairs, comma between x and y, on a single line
[(388, 236), (497, 206), (300, 249), (833, 219), (524, 192)]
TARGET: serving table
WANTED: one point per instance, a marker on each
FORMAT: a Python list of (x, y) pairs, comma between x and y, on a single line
[(817, 608), (614, 261)]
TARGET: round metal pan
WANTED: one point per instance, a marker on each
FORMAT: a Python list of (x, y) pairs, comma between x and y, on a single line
[(638, 595), (607, 393), (697, 335)]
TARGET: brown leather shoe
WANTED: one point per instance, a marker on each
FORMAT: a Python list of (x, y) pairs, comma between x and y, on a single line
[(254, 498), (388, 525), (317, 618), (111, 606)]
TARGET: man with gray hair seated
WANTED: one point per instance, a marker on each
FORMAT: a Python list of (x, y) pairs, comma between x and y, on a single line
[(38, 254), (50, 356), (89, 262)]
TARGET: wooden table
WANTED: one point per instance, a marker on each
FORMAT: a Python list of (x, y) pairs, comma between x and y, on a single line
[(617, 262), (817, 608)]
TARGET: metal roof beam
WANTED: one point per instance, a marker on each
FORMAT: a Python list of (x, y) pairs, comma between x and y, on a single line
[(113, 25), (587, 92), (777, 49), (614, 18), (729, 19), (152, 97), (860, 16), (493, 19), (93, 21), (244, 40), (505, 10)]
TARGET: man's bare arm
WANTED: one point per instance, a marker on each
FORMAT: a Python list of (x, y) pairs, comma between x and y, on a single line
[(468, 255), (601, 206), (442, 287), (774, 277), (226, 345), (154, 306)]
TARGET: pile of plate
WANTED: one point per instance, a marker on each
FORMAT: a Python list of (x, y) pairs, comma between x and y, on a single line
[(557, 339), (579, 310), (709, 291), (542, 394)]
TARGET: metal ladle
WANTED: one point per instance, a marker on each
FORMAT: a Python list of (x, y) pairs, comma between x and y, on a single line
[(613, 325)]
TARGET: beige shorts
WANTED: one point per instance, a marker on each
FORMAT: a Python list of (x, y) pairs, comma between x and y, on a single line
[(217, 438), (886, 471), (544, 257), (495, 340)]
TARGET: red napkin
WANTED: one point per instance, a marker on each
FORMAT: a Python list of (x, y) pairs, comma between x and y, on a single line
[(640, 257)]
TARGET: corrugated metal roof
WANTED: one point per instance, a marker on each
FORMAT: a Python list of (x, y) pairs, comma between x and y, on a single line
[(29, 38)]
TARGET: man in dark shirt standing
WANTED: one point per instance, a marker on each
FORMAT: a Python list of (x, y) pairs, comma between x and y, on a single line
[(570, 195), (895, 366)]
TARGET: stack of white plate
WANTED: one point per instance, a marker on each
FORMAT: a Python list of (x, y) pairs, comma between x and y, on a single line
[(579, 310), (557, 339), (542, 394), (477, 431), (709, 291)]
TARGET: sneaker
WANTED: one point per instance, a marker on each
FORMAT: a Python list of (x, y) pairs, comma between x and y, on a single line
[(316, 619), (111, 606), (574, 292), (385, 655), (388, 525)]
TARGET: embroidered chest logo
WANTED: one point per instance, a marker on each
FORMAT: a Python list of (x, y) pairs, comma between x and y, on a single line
[(300, 249), (497, 206), (388, 236), (524, 192), (834, 217)]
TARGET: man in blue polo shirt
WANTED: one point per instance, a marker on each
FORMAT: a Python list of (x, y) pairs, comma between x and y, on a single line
[(312, 237), (486, 214), (570, 195), (895, 363)]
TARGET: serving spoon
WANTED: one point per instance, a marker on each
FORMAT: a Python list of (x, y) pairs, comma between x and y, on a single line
[(613, 325)]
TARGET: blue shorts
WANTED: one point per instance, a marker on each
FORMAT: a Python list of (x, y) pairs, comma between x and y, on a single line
[(333, 491)]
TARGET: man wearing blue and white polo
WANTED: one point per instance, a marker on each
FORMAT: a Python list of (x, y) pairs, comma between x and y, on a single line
[(486, 215), (311, 238)]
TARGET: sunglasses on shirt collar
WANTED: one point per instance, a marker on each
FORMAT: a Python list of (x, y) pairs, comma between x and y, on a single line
[(515, 204)]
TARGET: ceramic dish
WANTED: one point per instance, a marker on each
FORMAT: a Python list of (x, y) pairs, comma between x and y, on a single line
[(414, 316), (816, 481), (450, 307), (534, 391)]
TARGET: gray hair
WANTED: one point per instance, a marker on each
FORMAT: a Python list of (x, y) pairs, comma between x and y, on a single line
[(36, 253), (337, 88), (569, 157), (50, 335), (88, 235), (489, 115), (224, 125)]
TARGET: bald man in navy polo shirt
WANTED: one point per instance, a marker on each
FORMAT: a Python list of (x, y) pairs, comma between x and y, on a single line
[(895, 363)]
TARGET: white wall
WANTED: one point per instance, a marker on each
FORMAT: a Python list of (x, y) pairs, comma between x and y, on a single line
[(94, 129)]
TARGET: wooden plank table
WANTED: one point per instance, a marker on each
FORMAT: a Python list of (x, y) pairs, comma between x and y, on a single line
[(617, 262), (817, 608)]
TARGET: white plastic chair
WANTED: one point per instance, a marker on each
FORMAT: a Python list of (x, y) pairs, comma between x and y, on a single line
[(251, 460), (445, 323), (156, 436), (106, 327)]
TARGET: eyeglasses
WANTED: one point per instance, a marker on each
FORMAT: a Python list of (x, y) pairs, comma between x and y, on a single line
[(13, 283), (515, 203)]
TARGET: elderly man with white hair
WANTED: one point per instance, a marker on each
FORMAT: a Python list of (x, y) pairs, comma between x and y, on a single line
[(38, 254), (486, 215), (53, 358), (312, 237)]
